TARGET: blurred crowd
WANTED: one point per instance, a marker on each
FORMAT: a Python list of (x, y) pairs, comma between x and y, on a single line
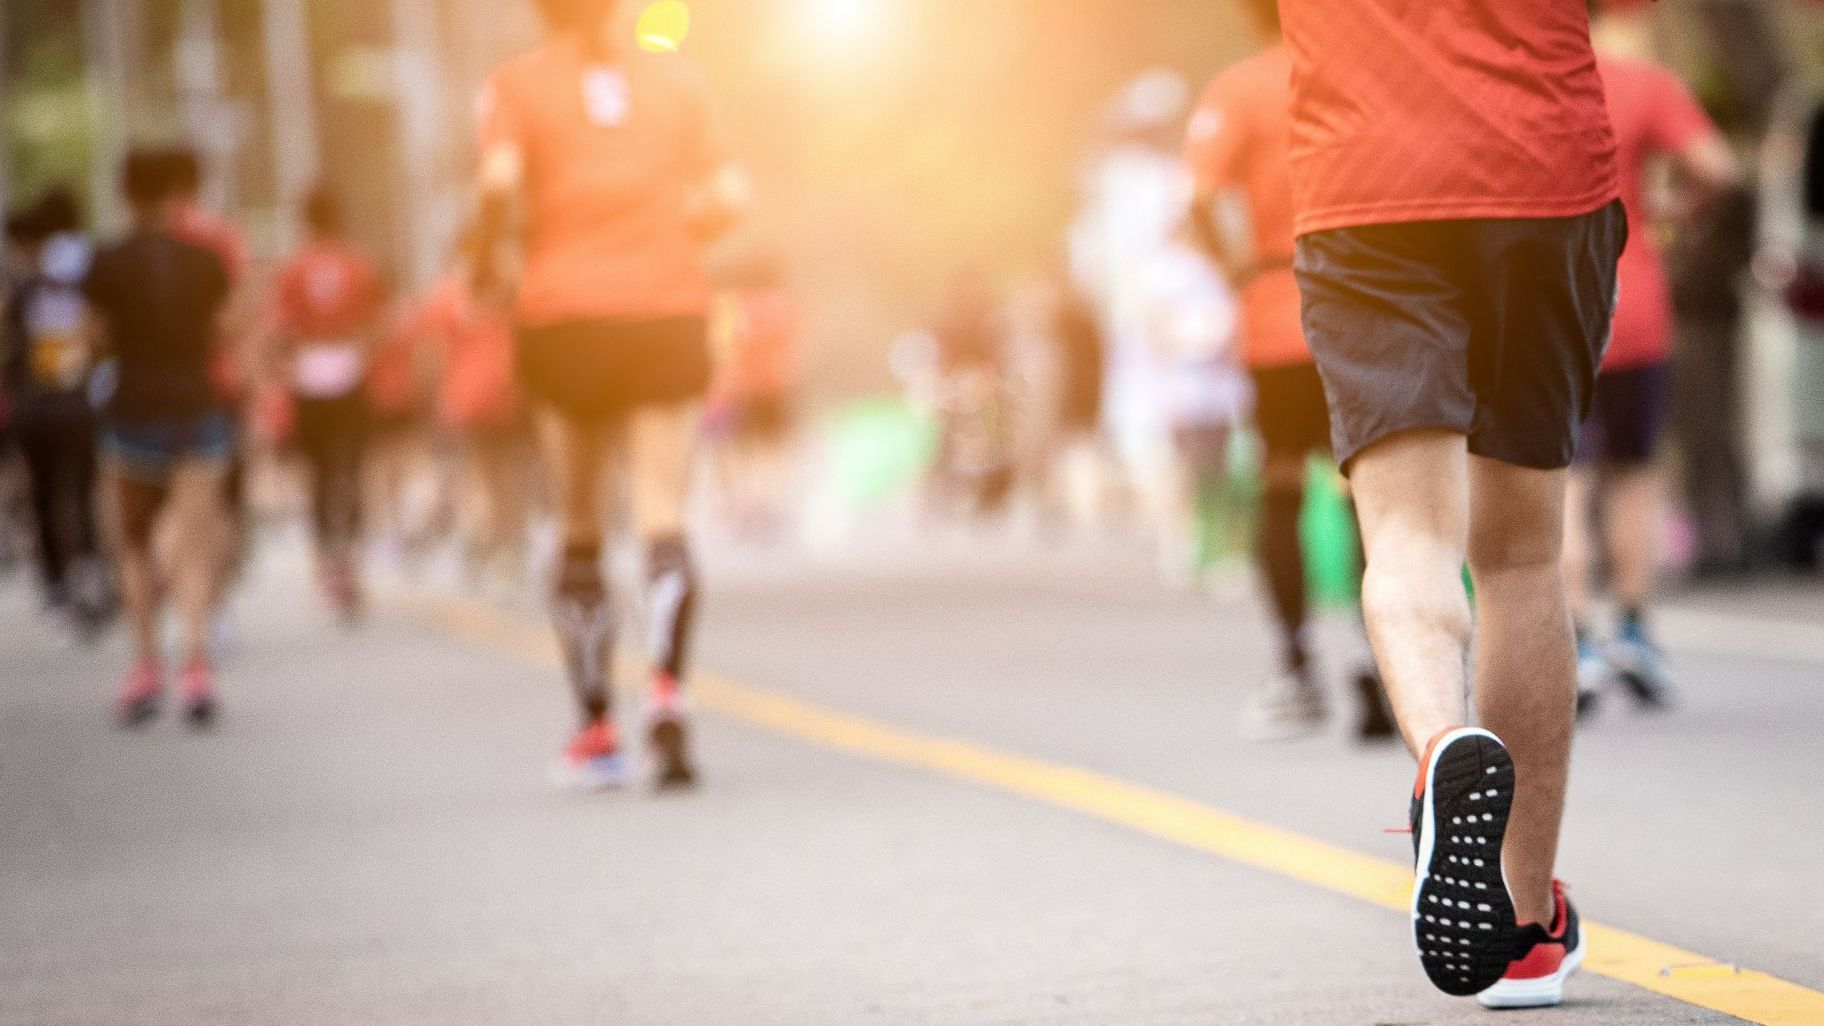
[(1106, 391)]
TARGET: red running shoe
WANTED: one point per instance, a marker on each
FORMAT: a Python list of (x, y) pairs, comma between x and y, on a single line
[(199, 693), (141, 694), (592, 761), (1547, 958)]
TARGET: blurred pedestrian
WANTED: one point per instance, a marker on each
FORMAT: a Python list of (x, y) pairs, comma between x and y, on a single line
[(626, 177), (199, 226), (1657, 121), (753, 397), (400, 447), (45, 360), (975, 459), (1459, 221), (326, 306), (480, 407), (1237, 148), (167, 439)]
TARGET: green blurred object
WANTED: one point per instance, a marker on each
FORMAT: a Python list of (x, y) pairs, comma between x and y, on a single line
[(1333, 557), (879, 450)]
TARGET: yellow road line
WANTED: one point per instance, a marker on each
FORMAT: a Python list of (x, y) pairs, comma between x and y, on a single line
[(1617, 954)]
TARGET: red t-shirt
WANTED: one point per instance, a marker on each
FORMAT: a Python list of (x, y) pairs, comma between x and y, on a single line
[(1654, 115), (1238, 140), (329, 290), (479, 389), (1431, 110), (614, 156)]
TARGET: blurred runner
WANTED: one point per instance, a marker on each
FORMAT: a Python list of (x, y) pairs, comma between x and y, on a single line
[(1191, 319), (479, 404), (1656, 120), (157, 303), (752, 398), (198, 226), (326, 303), (399, 443), (1458, 217), (1083, 365), (625, 178), (46, 363), (1237, 150), (975, 458)]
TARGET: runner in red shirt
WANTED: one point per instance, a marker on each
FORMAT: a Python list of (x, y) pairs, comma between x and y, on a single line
[(325, 307), (1236, 147), (1657, 121), (624, 177), (480, 406), (1457, 204)]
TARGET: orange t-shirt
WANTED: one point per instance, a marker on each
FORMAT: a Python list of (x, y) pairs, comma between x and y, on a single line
[(613, 156), (1239, 139)]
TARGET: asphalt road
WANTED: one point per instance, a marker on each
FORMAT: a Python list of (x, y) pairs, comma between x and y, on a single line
[(369, 837)]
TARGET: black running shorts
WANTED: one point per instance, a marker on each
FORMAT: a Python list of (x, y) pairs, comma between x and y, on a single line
[(601, 370), (1492, 328)]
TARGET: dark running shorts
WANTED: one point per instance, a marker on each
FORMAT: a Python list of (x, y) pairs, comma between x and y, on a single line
[(1628, 416), (1290, 412), (601, 370), (1493, 329)]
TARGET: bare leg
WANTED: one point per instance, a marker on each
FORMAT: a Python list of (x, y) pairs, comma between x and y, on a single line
[(198, 530), (1412, 492), (1579, 548), (131, 513), (1526, 683), (1633, 525)]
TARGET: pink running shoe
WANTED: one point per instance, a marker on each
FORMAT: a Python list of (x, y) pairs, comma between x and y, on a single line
[(592, 761), (141, 694)]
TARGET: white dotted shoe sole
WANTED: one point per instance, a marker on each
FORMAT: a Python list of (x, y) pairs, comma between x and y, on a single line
[(1462, 914)]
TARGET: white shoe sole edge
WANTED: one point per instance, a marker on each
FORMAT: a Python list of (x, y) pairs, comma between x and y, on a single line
[(1545, 992)]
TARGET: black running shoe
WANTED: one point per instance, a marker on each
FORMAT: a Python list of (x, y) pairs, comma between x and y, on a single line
[(1376, 723), (1462, 915), (668, 738)]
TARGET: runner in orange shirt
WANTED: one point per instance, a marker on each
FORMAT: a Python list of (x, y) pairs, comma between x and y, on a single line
[(624, 178), (1237, 150)]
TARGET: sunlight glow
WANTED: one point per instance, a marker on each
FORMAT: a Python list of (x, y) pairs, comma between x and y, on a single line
[(663, 26)]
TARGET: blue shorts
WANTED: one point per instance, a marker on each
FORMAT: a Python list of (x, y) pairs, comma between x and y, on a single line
[(151, 450), (1628, 417)]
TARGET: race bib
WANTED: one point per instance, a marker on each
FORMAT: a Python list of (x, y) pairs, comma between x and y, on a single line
[(605, 97), (55, 357), (56, 362), (327, 370)]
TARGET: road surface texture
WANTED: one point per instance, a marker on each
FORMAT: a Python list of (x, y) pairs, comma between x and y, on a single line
[(904, 750)]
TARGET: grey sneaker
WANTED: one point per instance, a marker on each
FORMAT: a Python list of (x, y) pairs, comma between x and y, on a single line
[(1290, 706), (1641, 667)]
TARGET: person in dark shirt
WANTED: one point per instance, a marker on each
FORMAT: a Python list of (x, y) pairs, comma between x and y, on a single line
[(166, 439), (45, 363)]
